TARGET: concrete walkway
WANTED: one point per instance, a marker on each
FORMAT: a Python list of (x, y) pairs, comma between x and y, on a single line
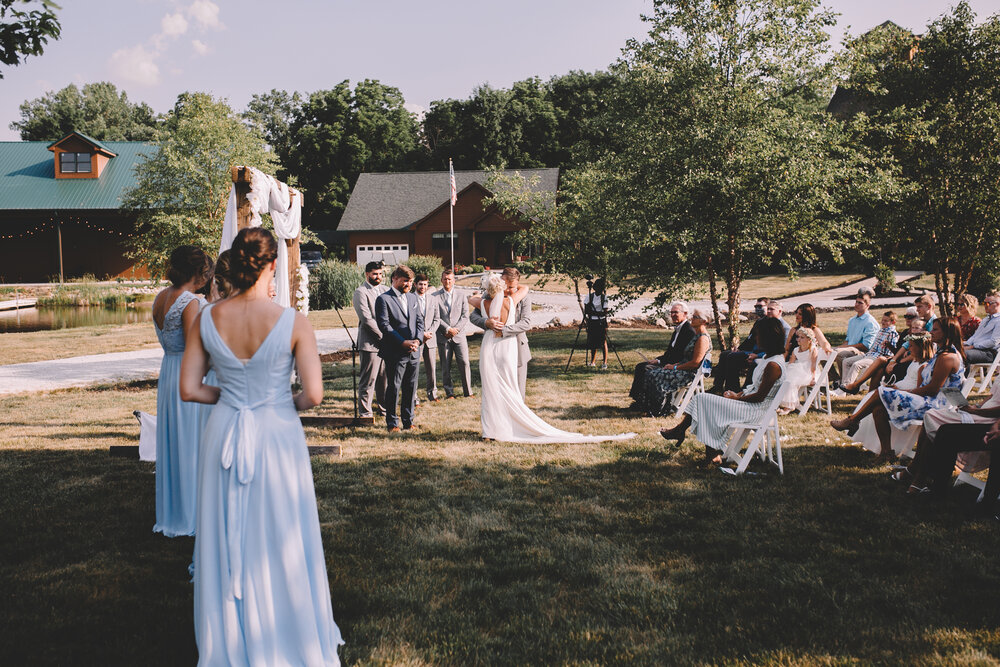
[(145, 364)]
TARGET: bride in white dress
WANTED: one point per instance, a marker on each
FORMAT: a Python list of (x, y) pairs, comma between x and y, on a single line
[(504, 414)]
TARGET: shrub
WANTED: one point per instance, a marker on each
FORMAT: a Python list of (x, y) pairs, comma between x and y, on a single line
[(332, 284), (885, 279), (472, 268), (429, 265)]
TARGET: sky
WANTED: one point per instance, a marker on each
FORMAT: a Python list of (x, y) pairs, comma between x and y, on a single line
[(429, 49)]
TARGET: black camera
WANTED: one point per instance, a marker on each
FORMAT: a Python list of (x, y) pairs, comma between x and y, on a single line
[(590, 280)]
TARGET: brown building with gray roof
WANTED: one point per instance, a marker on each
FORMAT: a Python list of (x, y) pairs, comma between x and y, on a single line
[(392, 216)]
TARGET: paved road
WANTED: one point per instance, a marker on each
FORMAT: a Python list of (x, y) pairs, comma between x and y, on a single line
[(144, 364)]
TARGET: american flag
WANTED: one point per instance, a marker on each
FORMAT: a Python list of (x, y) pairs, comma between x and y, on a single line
[(451, 178)]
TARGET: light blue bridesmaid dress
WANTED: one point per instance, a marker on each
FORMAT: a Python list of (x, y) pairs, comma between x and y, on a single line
[(178, 426), (261, 593)]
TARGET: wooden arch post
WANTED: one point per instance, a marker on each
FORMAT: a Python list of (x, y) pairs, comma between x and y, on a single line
[(241, 180)]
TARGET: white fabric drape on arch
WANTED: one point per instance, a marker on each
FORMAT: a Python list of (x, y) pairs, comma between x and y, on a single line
[(268, 195)]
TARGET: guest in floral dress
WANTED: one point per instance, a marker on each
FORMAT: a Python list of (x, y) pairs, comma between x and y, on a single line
[(661, 382), (967, 307), (895, 408)]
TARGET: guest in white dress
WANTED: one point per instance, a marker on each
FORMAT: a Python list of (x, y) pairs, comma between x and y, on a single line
[(261, 587), (178, 423), (710, 415), (800, 371)]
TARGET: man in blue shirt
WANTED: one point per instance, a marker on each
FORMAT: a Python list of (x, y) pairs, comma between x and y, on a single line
[(925, 310), (861, 330), (981, 347)]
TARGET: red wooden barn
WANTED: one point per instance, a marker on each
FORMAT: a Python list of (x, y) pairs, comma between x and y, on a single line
[(394, 215)]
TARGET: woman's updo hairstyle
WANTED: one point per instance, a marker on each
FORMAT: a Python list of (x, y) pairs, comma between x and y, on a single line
[(253, 249), (188, 262)]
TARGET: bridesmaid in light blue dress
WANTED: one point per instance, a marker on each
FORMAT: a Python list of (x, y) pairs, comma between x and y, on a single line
[(261, 588), (178, 423)]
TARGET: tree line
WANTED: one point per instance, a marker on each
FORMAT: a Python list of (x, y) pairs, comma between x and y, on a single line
[(704, 153)]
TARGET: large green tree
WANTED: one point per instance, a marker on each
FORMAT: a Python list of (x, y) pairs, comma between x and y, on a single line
[(717, 161), (338, 133), (531, 124), (933, 105), (272, 115), (25, 28), (99, 110), (183, 187)]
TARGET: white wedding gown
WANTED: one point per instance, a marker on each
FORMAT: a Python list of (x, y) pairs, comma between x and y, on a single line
[(504, 415)]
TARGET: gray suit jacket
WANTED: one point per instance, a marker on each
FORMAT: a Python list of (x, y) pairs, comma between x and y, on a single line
[(364, 305), (432, 318), (457, 318), (520, 327)]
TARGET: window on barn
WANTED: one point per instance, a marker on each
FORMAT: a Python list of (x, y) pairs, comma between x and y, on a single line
[(442, 240), (74, 163)]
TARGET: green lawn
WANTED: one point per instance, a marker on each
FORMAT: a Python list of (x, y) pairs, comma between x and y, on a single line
[(446, 550)]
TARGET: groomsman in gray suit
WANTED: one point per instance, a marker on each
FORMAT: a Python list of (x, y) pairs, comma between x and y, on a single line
[(431, 308), (451, 334), (519, 325), (372, 378)]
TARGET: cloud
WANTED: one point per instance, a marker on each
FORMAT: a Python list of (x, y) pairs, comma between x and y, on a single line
[(206, 14), (136, 65), (173, 25), (200, 47)]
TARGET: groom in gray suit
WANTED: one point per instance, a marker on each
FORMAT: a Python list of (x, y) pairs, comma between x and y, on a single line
[(451, 334), (519, 324), (402, 325)]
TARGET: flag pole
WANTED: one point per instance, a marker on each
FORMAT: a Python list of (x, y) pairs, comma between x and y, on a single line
[(451, 212)]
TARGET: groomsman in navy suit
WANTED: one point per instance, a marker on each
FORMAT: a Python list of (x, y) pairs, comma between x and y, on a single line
[(398, 315)]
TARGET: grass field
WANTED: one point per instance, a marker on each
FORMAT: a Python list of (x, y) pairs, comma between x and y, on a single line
[(445, 550), (774, 287)]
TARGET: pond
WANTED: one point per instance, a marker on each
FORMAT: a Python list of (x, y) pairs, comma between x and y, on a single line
[(45, 319)]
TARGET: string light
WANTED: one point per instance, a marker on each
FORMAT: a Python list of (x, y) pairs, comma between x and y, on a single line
[(51, 224)]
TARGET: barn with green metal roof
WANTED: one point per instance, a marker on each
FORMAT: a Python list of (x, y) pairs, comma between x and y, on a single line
[(59, 205)]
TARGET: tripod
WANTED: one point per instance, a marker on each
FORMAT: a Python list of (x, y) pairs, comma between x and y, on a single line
[(583, 323)]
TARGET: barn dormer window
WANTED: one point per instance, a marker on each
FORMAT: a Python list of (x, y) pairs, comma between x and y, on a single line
[(74, 163)]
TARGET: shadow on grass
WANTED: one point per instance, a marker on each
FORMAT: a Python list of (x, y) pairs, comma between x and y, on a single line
[(640, 559)]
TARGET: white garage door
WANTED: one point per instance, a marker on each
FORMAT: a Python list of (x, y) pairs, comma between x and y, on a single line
[(391, 254)]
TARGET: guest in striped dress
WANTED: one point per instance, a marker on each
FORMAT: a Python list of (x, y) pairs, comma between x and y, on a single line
[(710, 415)]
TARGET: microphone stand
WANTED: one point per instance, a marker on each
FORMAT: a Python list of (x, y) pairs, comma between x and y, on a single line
[(354, 360)]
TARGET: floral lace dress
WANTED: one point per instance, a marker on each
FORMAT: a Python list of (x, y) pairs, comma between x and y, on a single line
[(659, 384), (904, 407)]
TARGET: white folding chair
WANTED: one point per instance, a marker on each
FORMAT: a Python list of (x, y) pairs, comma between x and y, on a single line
[(814, 396), (766, 437), (967, 478), (697, 386), (982, 374)]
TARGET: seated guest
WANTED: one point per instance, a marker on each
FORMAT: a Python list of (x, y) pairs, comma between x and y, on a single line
[(861, 330), (800, 370), (710, 416), (683, 333), (882, 347), (662, 381), (981, 347), (925, 310), (969, 440), (934, 421), (892, 407), (966, 309), (728, 373), (805, 316), (894, 370)]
